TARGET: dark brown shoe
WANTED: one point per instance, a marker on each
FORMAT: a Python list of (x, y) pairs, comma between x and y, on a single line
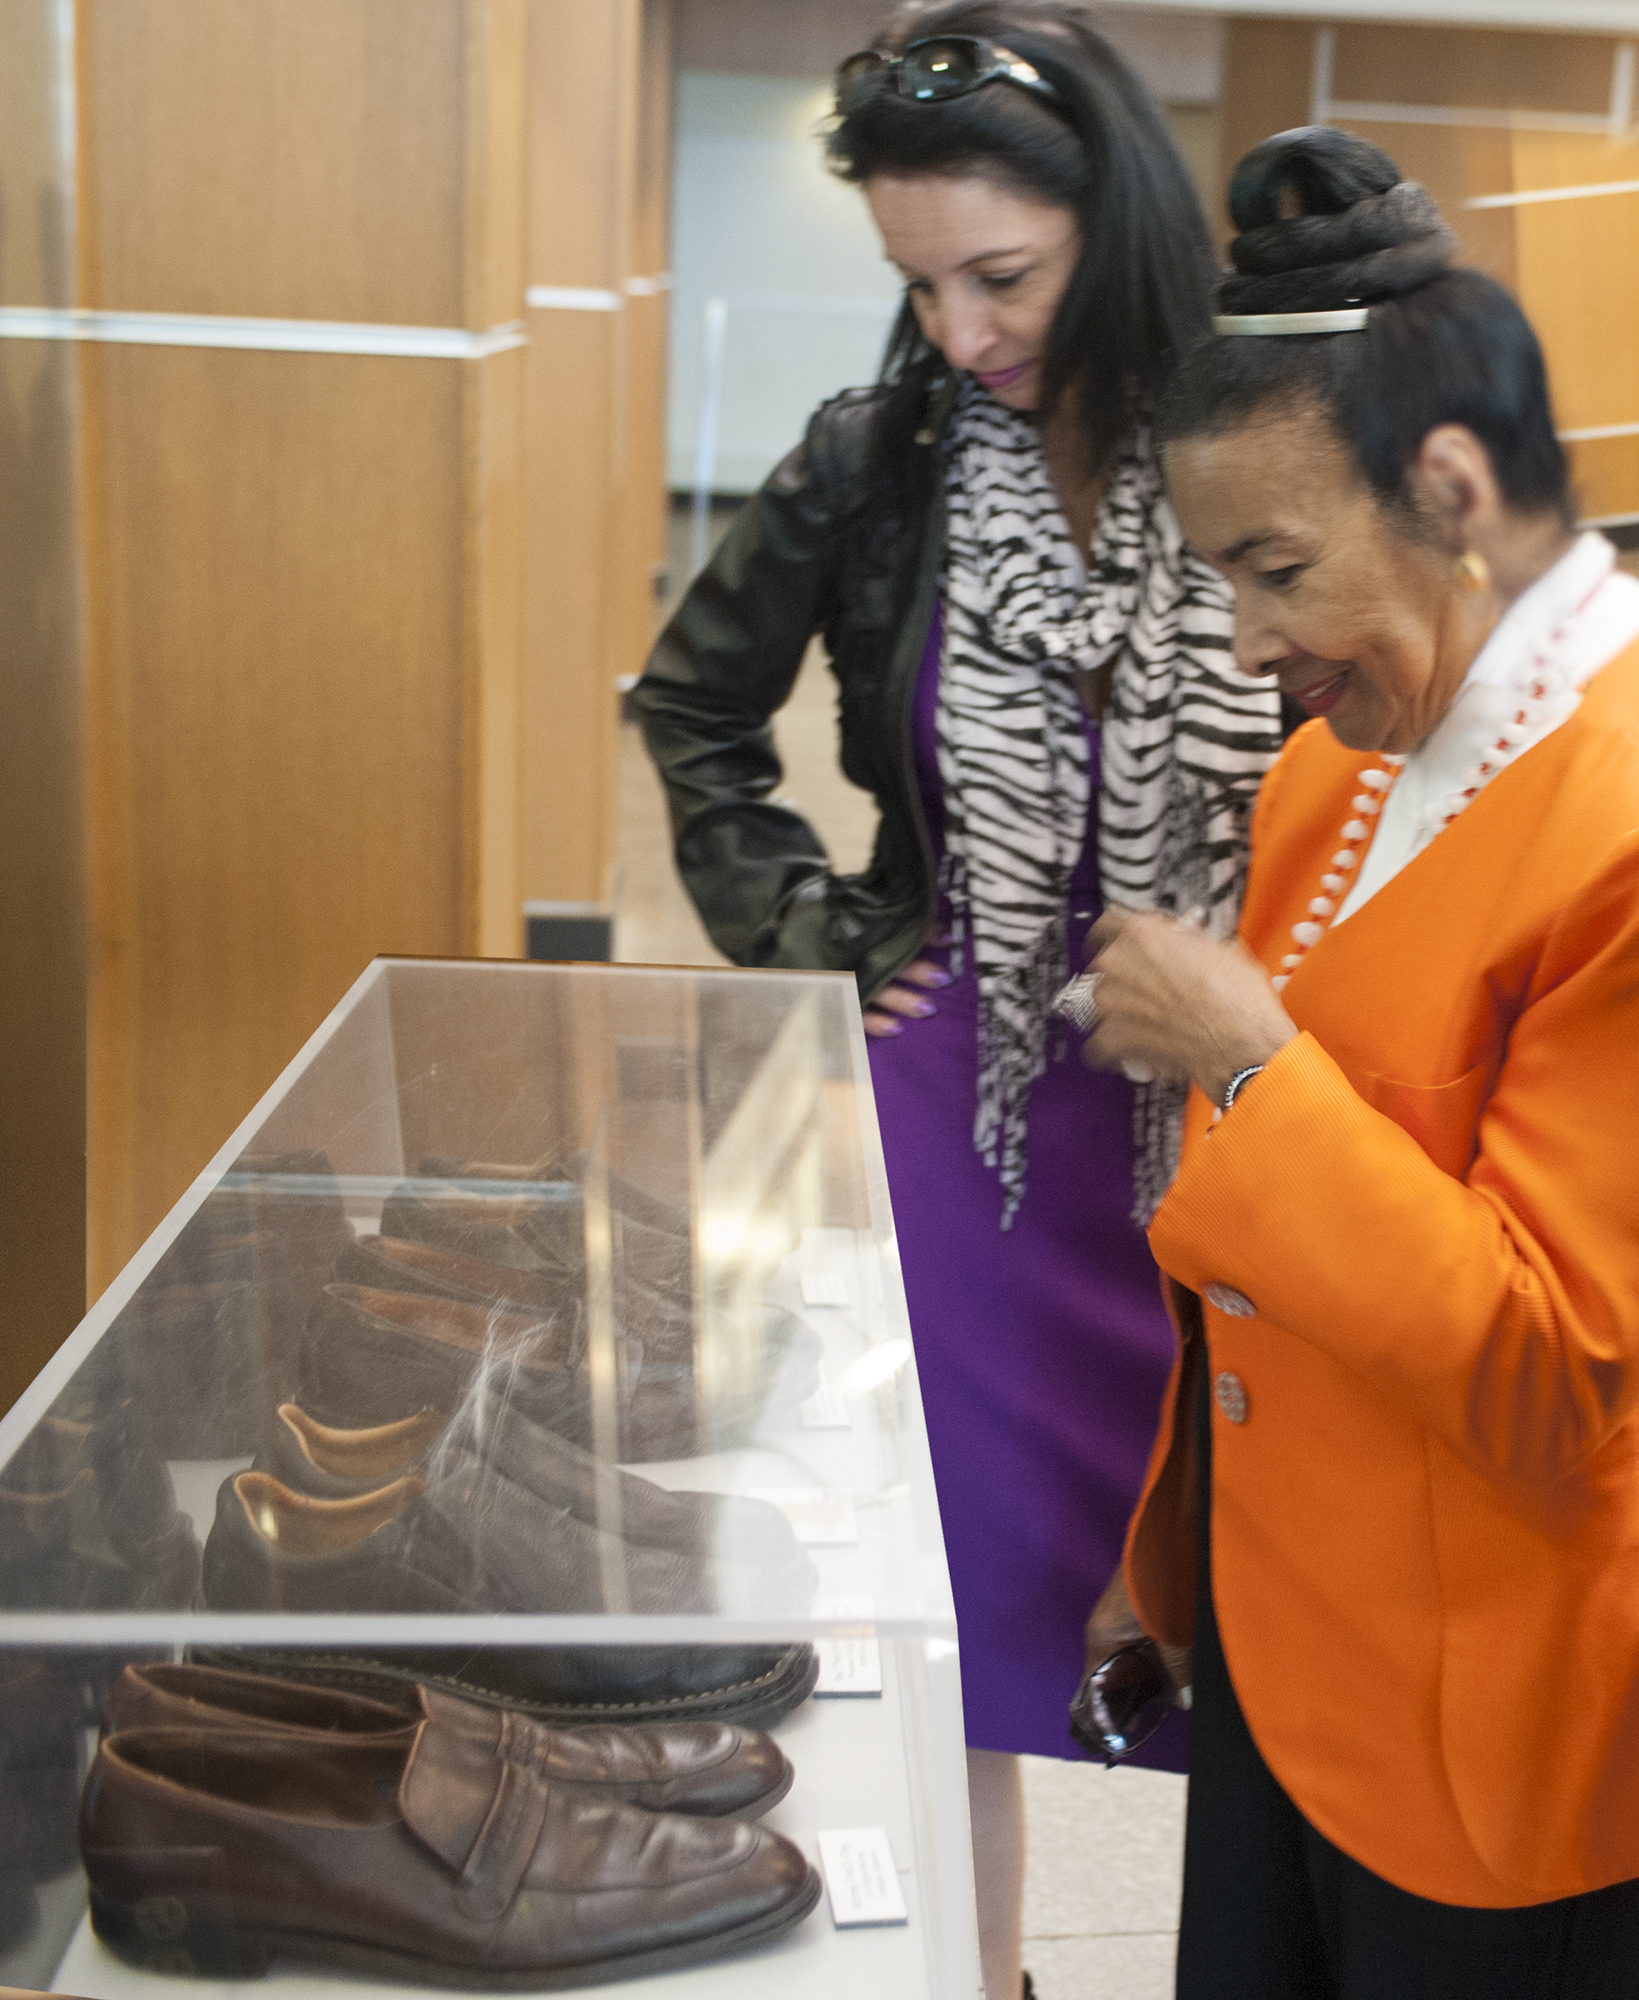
[(446, 1863), (374, 1357), (210, 1341), (88, 1520), (329, 1463), (709, 1768)]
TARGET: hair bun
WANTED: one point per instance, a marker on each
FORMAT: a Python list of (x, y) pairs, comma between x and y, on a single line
[(1361, 233)]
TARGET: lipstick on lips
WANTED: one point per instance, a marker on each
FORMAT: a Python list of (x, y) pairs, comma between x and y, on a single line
[(1002, 378), (1323, 694)]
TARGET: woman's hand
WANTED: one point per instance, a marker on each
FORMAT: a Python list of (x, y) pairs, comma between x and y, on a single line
[(904, 998), (1114, 1624), (1180, 1004)]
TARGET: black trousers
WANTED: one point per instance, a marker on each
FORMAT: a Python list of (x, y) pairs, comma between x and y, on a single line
[(1273, 1911)]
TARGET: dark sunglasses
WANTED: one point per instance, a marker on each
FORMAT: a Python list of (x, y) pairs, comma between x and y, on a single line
[(1122, 1702), (943, 67)]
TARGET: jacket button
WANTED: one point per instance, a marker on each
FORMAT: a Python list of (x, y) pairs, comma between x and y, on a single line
[(1236, 1304), (1230, 1392)]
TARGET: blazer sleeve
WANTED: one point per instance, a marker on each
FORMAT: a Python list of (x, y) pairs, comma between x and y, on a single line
[(1501, 1309), (757, 871)]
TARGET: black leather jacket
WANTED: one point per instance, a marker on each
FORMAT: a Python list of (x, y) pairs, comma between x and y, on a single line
[(805, 556)]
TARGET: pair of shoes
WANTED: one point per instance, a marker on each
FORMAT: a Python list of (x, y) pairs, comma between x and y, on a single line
[(708, 1768), (456, 1327), (498, 1516), (568, 1687), (528, 1235), (373, 1357), (88, 1520), (326, 1462), (441, 1855), (208, 1344)]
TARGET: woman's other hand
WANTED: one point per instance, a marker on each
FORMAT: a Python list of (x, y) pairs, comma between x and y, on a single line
[(1181, 1004), (905, 997)]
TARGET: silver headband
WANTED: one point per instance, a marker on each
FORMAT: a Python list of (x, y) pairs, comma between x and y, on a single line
[(1350, 319)]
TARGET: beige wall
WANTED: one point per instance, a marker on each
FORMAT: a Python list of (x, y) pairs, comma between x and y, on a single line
[(351, 621), (1479, 115)]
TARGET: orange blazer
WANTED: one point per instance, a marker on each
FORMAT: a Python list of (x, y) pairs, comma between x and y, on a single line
[(1426, 1522)]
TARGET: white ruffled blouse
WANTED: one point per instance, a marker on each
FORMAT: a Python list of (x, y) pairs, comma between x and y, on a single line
[(1587, 612)]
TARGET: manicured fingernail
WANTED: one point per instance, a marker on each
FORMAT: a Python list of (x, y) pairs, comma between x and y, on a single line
[(923, 1008), (937, 977)]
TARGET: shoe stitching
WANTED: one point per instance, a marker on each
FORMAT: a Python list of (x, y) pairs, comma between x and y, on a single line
[(328, 1675)]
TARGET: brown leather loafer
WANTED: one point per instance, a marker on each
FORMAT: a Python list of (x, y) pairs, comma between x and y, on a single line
[(710, 1768), (441, 1862)]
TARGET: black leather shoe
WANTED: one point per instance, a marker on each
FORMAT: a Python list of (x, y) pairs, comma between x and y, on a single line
[(566, 1686)]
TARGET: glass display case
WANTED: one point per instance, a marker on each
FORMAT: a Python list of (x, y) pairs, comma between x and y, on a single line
[(486, 1538)]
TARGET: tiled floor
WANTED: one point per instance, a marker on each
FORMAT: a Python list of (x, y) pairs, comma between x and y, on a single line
[(1101, 1892), (1105, 1855)]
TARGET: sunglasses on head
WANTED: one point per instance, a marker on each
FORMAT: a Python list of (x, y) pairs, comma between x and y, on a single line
[(944, 66)]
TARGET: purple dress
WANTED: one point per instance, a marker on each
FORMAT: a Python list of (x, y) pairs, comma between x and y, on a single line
[(1043, 1350)]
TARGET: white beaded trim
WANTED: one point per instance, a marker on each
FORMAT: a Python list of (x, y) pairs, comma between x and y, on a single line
[(1367, 803), (1545, 679)]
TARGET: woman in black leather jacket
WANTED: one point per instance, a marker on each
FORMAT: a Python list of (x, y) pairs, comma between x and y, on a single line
[(1035, 686)]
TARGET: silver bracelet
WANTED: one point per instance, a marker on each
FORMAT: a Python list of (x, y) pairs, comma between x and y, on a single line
[(1238, 1082)]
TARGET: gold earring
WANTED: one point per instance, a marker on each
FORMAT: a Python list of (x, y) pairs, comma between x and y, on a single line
[(1473, 572)]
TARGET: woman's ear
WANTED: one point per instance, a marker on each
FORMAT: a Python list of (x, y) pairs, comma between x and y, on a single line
[(1454, 484)]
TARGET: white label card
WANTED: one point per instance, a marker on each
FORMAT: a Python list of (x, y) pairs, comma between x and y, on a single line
[(860, 1877), (824, 1288), (848, 1667), (821, 1516)]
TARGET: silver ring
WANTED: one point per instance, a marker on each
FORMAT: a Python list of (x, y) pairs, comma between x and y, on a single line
[(1078, 1002)]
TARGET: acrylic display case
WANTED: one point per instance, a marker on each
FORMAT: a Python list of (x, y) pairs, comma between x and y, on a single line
[(539, 1337)]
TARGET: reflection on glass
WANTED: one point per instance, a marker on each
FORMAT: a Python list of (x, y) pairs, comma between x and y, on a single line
[(530, 1290)]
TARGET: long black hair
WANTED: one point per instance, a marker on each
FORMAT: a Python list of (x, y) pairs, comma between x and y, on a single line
[(1328, 221), (1140, 295)]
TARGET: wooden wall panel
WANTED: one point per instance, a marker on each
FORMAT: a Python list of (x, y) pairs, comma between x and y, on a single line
[(569, 717), (298, 159), (1267, 70), (1605, 476), (494, 395), (277, 645), (1488, 68), (1574, 264), (496, 110), (599, 84), (1455, 162), (43, 933), (36, 199)]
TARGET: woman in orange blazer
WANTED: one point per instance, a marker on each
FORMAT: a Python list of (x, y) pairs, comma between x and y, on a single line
[(1394, 1503)]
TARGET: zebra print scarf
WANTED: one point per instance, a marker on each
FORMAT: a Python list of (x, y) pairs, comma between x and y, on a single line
[(1185, 742)]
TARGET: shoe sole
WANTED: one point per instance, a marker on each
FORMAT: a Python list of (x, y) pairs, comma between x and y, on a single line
[(171, 1936), (758, 1704)]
